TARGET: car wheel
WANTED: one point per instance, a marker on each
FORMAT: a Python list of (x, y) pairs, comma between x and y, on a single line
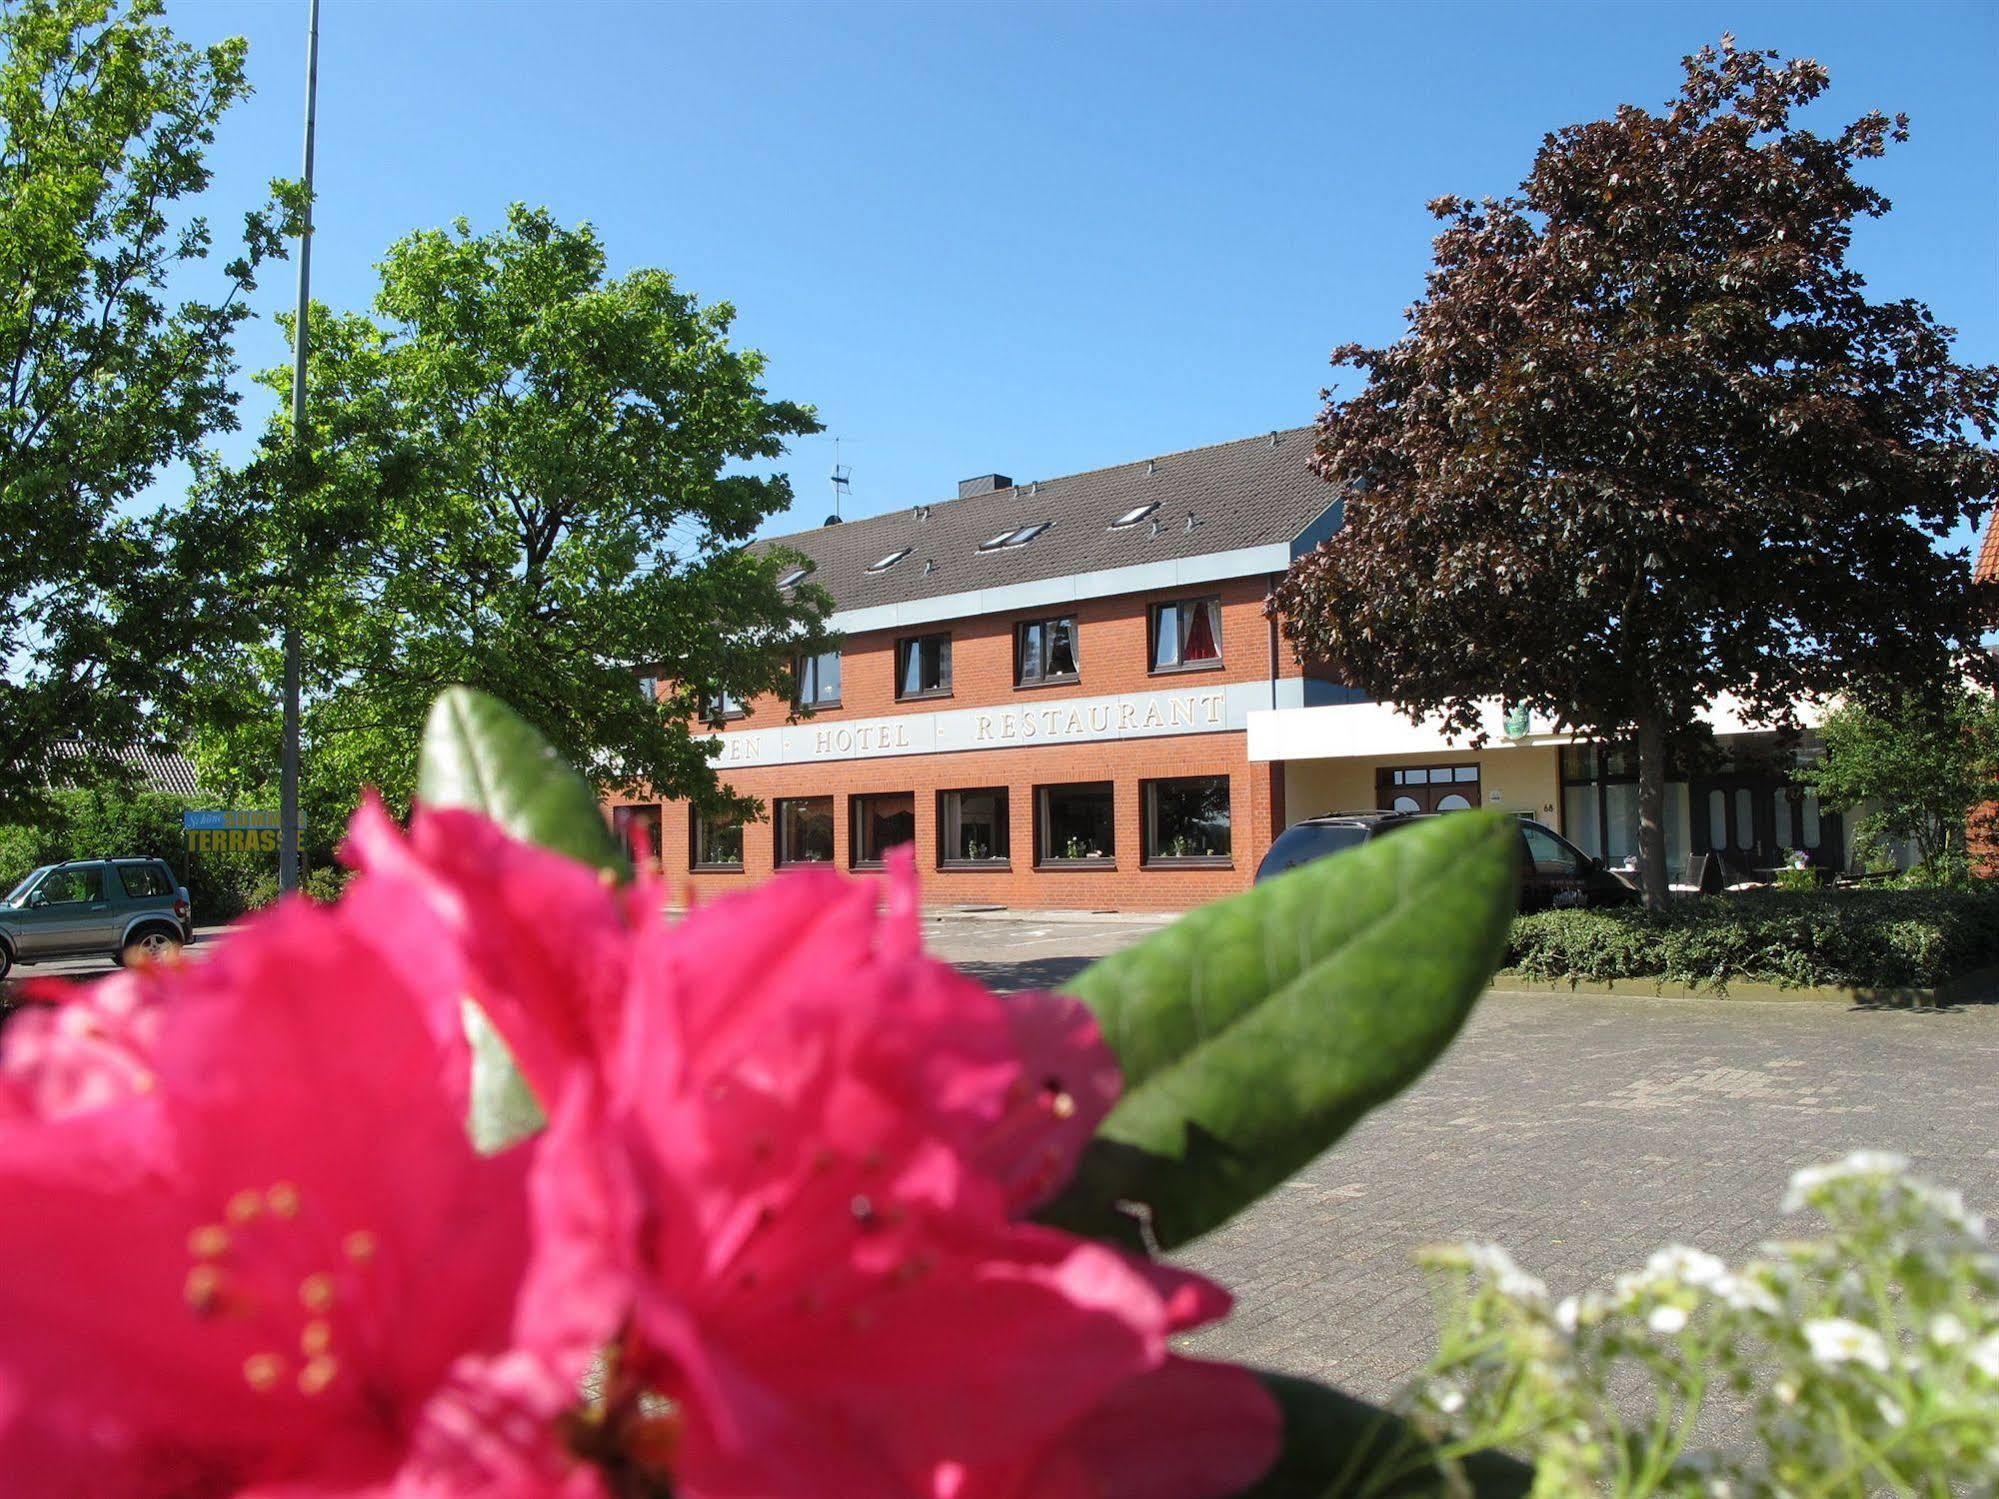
[(153, 945), (6, 960)]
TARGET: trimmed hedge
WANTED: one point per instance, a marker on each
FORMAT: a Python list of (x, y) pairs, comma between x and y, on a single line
[(1864, 938)]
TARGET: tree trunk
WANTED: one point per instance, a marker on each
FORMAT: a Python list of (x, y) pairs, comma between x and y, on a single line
[(1657, 879)]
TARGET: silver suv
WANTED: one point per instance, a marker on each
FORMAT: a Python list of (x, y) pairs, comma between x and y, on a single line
[(123, 909)]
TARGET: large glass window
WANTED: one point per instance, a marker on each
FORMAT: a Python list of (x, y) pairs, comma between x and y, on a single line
[(1187, 634), (923, 666), (1600, 807), (1075, 824), (804, 829), (1045, 651), (637, 830), (1187, 818), (883, 821), (819, 680), (972, 826), (719, 705), (718, 842)]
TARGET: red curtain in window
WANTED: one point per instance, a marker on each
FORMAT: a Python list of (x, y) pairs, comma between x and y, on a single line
[(1200, 636)]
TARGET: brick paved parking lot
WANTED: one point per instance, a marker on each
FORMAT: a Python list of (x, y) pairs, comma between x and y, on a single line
[(1580, 1132)]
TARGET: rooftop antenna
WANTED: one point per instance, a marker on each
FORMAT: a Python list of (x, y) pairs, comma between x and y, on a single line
[(842, 479)]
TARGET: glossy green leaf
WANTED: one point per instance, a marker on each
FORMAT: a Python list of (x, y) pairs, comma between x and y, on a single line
[(1337, 1447), (480, 754), (1254, 1032)]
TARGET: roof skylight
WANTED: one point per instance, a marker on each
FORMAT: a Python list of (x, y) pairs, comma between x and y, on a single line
[(793, 578), (889, 561), (1016, 538), (1134, 515)]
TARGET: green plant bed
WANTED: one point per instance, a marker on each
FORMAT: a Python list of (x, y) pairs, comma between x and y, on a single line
[(1856, 938)]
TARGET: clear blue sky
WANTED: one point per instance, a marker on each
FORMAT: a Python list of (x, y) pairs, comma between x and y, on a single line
[(1040, 239)]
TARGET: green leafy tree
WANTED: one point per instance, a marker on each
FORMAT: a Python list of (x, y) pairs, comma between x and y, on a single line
[(108, 371), (1922, 768), (1648, 440), (518, 476)]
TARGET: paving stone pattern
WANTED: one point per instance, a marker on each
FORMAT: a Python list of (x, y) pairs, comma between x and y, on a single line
[(1579, 1132)]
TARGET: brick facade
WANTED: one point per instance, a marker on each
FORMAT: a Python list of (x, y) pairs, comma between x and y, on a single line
[(1112, 647)]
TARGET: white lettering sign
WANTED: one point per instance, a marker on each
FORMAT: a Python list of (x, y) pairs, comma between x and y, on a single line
[(1136, 715)]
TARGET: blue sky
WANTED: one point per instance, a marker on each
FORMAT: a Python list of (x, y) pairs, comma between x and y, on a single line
[(1040, 239)]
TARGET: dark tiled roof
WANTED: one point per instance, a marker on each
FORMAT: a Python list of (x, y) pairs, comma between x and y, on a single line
[(1241, 494), (1985, 568), (168, 770)]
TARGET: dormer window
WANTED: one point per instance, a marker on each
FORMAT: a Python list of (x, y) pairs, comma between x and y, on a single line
[(1134, 515), (889, 561)]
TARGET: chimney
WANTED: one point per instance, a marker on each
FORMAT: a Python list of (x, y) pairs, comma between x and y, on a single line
[(984, 484)]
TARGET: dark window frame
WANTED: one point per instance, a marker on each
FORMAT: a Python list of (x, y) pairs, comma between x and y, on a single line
[(1046, 679), (1042, 858), (1152, 613), (710, 713), (856, 809), (905, 644), (801, 700), (1003, 858), (1150, 859), (696, 820), (781, 855)]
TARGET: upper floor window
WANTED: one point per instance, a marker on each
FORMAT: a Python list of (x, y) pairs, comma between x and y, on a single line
[(1187, 634), (721, 704), (819, 680), (923, 666), (649, 689), (1045, 651)]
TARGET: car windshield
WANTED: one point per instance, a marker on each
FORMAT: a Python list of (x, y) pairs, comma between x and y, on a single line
[(20, 892)]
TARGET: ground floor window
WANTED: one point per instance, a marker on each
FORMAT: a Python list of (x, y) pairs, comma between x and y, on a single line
[(636, 830), (1600, 807), (1075, 825), (1187, 820), (883, 821), (972, 826), (718, 842), (804, 829)]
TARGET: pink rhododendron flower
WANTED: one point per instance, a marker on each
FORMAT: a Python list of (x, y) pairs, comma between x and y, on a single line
[(814, 1150), (302, 1280)]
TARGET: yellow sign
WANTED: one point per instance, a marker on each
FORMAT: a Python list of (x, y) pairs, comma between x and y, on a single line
[(230, 830)]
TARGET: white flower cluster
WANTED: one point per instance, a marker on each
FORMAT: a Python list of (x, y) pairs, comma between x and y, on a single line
[(1869, 1355)]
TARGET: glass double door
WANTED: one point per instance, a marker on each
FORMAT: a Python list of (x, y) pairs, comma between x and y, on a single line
[(1755, 822)]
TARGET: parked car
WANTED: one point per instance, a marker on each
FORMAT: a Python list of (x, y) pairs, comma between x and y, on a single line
[(123, 909), (1553, 871)]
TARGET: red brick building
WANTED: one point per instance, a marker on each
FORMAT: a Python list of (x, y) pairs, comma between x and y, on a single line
[(1043, 685)]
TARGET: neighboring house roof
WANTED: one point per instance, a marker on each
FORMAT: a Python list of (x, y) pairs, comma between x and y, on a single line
[(1259, 492), (1985, 568), (167, 770)]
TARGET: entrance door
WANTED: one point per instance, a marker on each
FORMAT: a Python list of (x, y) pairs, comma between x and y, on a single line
[(1753, 822), (1426, 788)]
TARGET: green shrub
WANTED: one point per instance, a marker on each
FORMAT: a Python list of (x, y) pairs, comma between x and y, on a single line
[(1864, 938), (323, 884)]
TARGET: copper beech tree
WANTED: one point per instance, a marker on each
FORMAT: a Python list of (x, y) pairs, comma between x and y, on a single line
[(1648, 440)]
